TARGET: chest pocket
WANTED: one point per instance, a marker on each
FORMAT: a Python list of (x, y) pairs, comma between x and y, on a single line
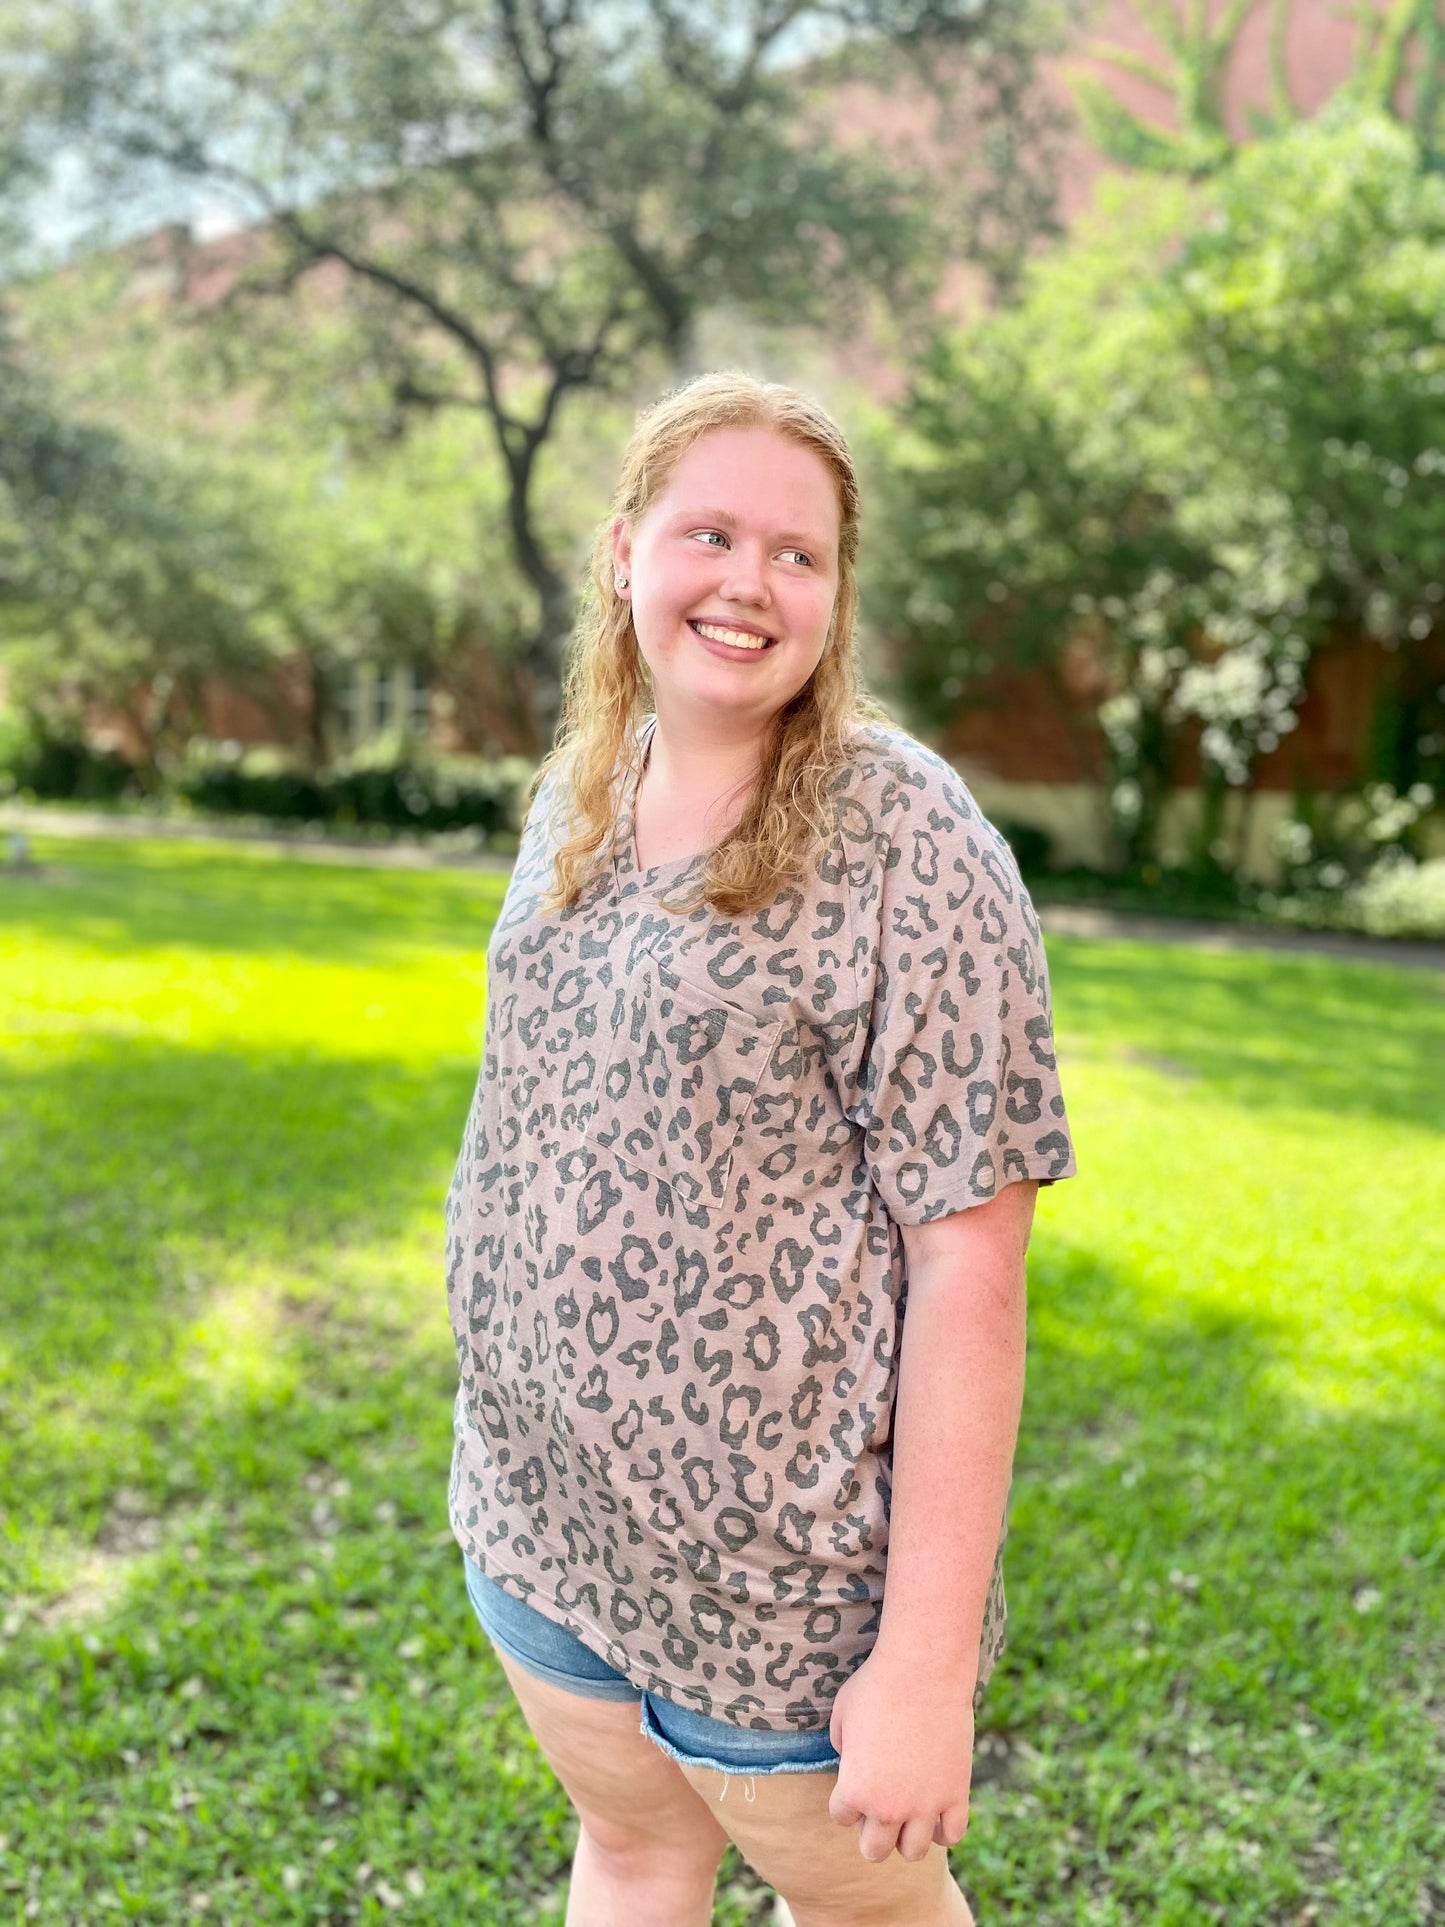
[(682, 1065)]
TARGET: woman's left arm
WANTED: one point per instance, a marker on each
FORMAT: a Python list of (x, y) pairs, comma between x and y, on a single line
[(903, 1722)]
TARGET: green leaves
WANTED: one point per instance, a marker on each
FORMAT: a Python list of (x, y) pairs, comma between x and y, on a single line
[(521, 203), (1207, 442), (110, 568)]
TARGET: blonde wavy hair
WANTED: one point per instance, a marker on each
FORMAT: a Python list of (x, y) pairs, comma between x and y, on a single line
[(608, 689)]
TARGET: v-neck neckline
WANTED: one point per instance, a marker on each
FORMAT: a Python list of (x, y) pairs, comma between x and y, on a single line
[(625, 865)]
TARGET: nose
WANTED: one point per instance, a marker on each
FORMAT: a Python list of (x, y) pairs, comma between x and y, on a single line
[(746, 577)]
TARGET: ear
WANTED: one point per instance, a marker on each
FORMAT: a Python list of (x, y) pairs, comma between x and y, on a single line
[(621, 552)]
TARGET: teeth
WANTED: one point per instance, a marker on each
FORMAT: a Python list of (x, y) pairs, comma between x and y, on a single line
[(738, 638)]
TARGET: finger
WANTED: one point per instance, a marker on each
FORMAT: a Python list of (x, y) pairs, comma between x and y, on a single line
[(915, 1840), (876, 1839), (952, 1826), (840, 1810)]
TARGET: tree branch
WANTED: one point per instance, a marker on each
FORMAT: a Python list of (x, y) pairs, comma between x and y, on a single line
[(1280, 96), (1162, 21), (1134, 63), (1226, 31), (323, 248)]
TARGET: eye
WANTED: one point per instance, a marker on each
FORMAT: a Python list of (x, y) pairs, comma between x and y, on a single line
[(706, 535), (800, 555)]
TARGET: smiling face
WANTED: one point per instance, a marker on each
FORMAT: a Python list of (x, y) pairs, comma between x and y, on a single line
[(733, 575)]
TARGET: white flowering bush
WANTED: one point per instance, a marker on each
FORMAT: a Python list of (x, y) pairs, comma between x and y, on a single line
[(1401, 898), (1352, 835), (1357, 871)]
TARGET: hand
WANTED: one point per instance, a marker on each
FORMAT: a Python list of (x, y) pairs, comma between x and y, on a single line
[(905, 1737)]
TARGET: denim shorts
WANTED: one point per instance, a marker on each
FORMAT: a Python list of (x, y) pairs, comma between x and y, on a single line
[(552, 1653)]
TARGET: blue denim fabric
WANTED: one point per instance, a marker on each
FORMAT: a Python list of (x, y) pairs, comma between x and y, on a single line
[(552, 1653)]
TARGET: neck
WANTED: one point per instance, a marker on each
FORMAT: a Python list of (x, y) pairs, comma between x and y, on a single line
[(700, 762)]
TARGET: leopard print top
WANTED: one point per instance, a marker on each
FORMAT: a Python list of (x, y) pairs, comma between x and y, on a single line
[(674, 1268)]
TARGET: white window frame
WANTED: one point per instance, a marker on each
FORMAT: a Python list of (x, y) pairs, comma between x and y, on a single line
[(372, 697)]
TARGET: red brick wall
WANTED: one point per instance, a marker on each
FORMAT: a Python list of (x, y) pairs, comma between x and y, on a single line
[(234, 715), (1319, 49), (1018, 732)]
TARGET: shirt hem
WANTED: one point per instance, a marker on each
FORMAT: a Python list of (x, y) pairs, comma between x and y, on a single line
[(597, 1642)]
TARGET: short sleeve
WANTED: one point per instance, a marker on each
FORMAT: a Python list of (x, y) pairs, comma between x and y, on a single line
[(957, 1087)]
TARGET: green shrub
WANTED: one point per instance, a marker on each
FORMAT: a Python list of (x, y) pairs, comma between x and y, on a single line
[(58, 767), (1032, 847), (1398, 897), (230, 789), (1358, 861), (421, 792)]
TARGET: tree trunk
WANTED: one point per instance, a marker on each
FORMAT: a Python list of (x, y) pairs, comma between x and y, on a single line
[(540, 657), (1212, 791), (540, 663), (1092, 754), (1245, 825), (1154, 774), (318, 715), (135, 707)]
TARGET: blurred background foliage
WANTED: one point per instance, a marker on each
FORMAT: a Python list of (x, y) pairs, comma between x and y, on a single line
[(521, 205), (1210, 435), (320, 400)]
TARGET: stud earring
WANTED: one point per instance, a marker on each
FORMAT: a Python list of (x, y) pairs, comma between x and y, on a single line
[(622, 582)]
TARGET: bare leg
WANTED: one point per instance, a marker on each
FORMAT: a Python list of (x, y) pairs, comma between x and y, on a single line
[(786, 1834), (649, 1847)]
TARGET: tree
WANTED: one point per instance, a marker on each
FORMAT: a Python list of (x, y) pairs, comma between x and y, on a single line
[(1208, 443), (1027, 512), (116, 586), (157, 533), (104, 558), (333, 546), (1311, 313), (530, 199)]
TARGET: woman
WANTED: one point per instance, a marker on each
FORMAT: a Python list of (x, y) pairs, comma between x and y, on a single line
[(768, 1059)]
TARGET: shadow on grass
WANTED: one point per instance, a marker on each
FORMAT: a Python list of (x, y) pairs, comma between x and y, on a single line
[(155, 1200), (143, 896), (1224, 1678), (259, 1682), (1267, 1031), (1224, 1692)]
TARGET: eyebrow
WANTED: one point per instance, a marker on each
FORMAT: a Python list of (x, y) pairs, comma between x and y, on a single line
[(726, 521)]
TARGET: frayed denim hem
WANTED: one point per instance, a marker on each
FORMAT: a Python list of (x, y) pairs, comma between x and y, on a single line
[(746, 1768)]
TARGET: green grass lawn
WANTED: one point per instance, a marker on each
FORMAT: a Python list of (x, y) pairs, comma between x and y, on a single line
[(239, 1680)]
